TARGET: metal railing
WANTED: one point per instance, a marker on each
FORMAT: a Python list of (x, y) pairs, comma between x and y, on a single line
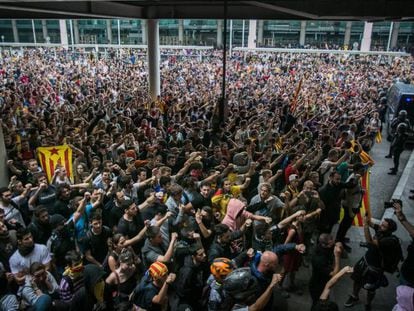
[(103, 47)]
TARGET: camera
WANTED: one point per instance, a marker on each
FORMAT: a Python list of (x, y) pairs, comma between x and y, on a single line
[(391, 203), (309, 194)]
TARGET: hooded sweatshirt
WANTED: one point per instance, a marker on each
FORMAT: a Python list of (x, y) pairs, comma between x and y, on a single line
[(405, 299), (236, 214)]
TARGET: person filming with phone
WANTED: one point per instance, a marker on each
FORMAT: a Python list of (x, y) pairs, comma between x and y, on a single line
[(383, 255)]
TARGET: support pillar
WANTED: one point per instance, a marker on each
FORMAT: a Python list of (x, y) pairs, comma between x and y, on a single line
[(366, 37), (153, 53), (109, 31), (181, 31), (302, 34), (144, 31), (15, 31), (347, 36), (44, 30), (76, 31), (394, 35), (251, 40), (219, 33), (63, 33), (4, 180), (260, 25)]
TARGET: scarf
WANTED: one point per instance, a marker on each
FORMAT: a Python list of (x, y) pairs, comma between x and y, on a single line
[(75, 271)]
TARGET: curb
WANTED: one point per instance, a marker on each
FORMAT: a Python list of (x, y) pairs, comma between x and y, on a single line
[(398, 192)]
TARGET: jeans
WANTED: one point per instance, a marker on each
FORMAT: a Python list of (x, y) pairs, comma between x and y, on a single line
[(43, 303), (345, 224)]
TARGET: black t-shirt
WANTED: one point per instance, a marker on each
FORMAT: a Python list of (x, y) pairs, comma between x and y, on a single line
[(61, 207), (199, 201), (131, 229), (98, 244), (407, 268)]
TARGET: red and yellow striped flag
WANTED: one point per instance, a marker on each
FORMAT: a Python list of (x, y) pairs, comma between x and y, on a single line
[(296, 95), (51, 157), (365, 207)]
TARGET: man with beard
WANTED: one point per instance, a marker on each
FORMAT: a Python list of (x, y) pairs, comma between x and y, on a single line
[(7, 245), (45, 194), (11, 210), (27, 252), (40, 226), (383, 255), (62, 204), (96, 244), (325, 264), (266, 204)]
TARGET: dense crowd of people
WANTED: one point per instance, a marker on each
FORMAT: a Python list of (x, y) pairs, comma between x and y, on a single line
[(170, 207)]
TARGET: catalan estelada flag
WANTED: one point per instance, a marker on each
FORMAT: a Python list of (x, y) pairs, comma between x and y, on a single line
[(365, 206), (51, 157)]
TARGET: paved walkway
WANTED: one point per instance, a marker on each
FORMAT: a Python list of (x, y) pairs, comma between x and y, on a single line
[(383, 188)]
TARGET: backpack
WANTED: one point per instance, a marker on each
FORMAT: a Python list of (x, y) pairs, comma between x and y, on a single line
[(391, 252), (226, 302)]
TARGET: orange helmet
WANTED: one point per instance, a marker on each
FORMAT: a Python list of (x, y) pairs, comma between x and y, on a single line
[(221, 267)]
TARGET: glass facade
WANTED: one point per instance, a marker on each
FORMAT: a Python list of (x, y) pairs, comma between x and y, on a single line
[(270, 33)]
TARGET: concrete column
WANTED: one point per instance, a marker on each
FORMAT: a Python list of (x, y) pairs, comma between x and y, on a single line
[(15, 31), (260, 25), (366, 37), (302, 34), (181, 31), (144, 31), (219, 33), (251, 39), (76, 31), (347, 36), (394, 35), (4, 179), (153, 53), (109, 30), (44, 30), (63, 33)]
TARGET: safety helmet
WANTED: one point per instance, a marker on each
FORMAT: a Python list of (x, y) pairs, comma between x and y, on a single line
[(221, 267), (402, 127), (402, 113), (240, 284)]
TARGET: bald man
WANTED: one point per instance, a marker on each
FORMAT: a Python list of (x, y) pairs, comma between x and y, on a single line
[(265, 264)]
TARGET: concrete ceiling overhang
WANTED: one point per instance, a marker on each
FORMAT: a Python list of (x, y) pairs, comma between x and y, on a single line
[(367, 10)]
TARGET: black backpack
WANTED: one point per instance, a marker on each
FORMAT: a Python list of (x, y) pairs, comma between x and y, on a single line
[(391, 252)]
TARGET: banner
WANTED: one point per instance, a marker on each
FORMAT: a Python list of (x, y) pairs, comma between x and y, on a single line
[(294, 101), (365, 205), (51, 157)]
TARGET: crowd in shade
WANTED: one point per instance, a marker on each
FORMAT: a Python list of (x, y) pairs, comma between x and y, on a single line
[(171, 205)]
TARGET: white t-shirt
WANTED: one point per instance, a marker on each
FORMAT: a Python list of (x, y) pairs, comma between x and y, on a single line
[(40, 254)]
